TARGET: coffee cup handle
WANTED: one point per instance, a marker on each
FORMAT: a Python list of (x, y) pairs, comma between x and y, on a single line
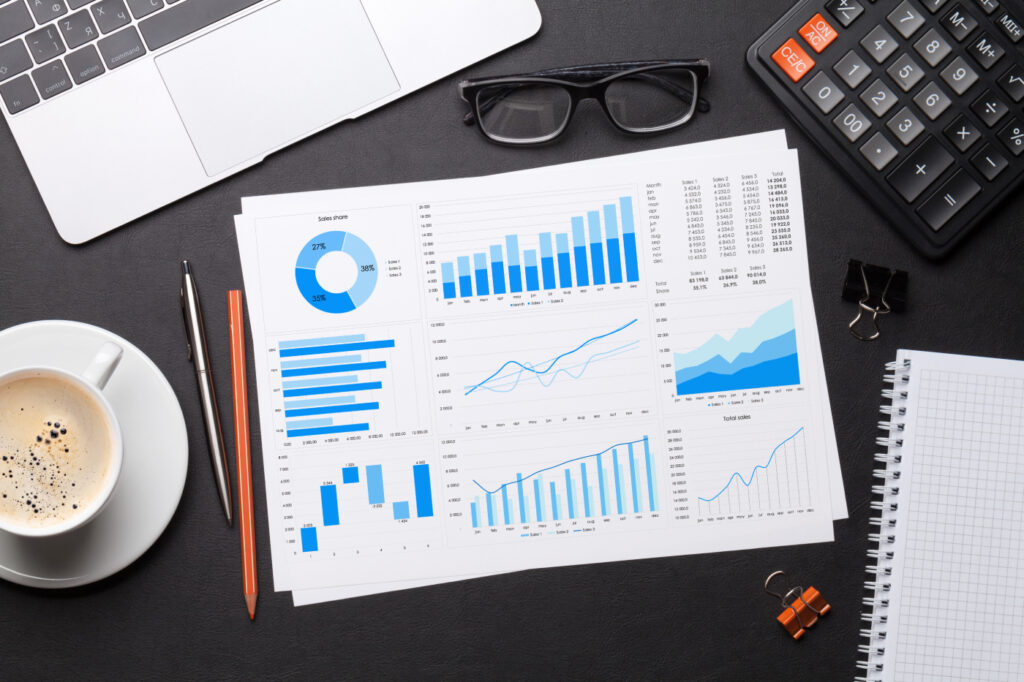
[(103, 365)]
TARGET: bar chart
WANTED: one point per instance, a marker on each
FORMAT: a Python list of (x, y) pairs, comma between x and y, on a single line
[(362, 503), (593, 243), (570, 364)]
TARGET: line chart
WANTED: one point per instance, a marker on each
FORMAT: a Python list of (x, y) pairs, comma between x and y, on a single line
[(550, 365), (752, 472)]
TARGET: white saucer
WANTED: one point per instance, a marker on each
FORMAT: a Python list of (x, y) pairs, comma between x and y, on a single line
[(155, 460)]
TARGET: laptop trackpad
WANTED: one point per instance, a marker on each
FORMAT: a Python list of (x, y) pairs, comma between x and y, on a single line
[(274, 76)]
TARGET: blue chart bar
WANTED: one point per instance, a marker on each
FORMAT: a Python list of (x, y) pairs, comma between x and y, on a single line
[(465, 277), (490, 509), (586, 489), (618, 480), (547, 260), (309, 543), (538, 499), (564, 263), (375, 484), (570, 499), (337, 348), (554, 502), (515, 275), (579, 247), (329, 504), (532, 281), (332, 340), (350, 475), (334, 369), (323, 431), (320, 362), (336, 409), (632, 479), (504, 505), (341, 388), (474, 512), (522, 501), (424, 499), (611, 232), (600, 486), (651, 495), (400, 510), (480, 267), (448, 280), (629, 239), (596, 246), (497, 270)]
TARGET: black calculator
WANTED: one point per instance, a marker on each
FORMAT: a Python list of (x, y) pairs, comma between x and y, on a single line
[(918, 100)]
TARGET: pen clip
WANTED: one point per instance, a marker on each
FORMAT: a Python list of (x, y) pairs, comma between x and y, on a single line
[(184, 318)]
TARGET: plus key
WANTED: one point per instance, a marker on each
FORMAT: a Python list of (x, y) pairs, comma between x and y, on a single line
[(922, 168)]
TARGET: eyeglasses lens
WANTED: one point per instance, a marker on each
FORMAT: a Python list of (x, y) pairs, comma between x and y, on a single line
[(528, 112), (652, 100)]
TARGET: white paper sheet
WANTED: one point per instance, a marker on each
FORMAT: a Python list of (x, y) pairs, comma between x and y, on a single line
[(412, 318)]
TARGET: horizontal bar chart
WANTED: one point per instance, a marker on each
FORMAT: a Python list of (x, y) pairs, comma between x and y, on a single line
[(602, 250)]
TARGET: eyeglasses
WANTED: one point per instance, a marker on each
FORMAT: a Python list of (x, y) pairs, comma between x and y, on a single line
[(638, 97)]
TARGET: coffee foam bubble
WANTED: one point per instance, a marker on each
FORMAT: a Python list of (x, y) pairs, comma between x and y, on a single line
[(55, 451)]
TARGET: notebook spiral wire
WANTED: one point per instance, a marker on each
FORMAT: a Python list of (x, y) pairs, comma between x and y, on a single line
[(882, 538)]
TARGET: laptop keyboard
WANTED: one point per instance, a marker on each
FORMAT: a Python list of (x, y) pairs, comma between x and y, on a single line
[(50, 46)]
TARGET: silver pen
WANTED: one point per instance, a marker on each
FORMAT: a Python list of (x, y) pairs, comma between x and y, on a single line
[(196, 336)]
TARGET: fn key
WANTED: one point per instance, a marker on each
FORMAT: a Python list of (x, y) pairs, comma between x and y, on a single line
[(948, 200)]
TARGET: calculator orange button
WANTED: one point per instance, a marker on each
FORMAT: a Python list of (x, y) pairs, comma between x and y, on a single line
[(793, 60), (818, 33)]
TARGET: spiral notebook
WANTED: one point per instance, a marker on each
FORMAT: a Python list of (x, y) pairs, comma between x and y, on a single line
[(945, 595)]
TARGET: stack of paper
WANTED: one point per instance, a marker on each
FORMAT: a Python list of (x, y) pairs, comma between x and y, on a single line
[(605, 360)]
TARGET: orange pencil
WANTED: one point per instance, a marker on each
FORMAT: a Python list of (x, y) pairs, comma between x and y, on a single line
[(238, 386)]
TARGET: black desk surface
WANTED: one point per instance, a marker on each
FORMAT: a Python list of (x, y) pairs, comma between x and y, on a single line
[(178, 611)]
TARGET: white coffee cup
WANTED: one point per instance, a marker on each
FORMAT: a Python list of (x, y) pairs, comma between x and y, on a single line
[(91, 381)]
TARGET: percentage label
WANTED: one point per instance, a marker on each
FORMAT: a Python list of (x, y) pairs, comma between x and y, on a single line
[(319, 246), (318, 297), (368, 268)]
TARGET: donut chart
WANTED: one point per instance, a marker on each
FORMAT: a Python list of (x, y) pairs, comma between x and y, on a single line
[(332, 301)]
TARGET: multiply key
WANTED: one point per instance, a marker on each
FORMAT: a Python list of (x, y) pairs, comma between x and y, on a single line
[(923, 167)]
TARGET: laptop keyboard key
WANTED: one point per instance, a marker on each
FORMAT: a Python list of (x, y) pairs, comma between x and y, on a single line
[(78, 29), (84, 64), (52, 79), (187, 17), (110, 15), (14, 20), (75, 4), (949, 200), (45, 44), (122, 47), (47, 10), (141, 8), (923, 167), (19, 94), (14, 59)]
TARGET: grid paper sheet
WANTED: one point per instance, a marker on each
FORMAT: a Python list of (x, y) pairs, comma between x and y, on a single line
[(958, 590)]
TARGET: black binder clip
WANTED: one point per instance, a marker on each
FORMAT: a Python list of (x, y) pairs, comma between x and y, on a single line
[(875, 290)]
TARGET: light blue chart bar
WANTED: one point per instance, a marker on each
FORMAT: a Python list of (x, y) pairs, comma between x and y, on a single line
[(316, 383), (532, 279), (564, 262), (319, 402), (474, 513), (336, 348), (448, 280), (611, 232), (480, 267), (490, 509), (538, 499), (522, 501), (515, 273), (375, 484), (596, 246), (632, 479), (497, 270), (330, 340), (570, 499), (320, 362), (465, 277), (308, 424), (504, 505), (547, 261), (400, 510)]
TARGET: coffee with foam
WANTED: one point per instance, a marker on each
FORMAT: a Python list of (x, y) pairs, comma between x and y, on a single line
[(56, 451)]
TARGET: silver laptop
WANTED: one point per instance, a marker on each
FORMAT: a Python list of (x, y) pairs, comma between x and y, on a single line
[(122, 106)]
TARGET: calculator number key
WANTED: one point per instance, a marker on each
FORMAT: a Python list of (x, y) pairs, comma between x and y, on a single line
[(905, 126), (1013, 82), (818, 33), (852, 69), (1013, 136), (932, 47), (906, 19), (823, 92), (990, 109), (852, 123), (878, 151), (905, 72), (879, 43), (959, 23), (932, 101), (845, 11), (879, 98), (959, 75)]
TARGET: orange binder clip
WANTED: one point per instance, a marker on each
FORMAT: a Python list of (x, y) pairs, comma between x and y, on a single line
[(801, 608)]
